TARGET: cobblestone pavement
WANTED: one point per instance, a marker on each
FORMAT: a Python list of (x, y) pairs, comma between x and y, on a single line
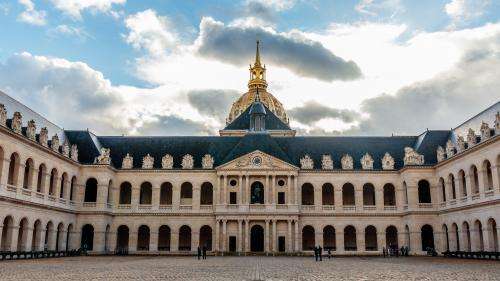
[(248, 268)]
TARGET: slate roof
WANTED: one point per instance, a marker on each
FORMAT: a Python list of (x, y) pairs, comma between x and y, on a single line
[(242, 122)]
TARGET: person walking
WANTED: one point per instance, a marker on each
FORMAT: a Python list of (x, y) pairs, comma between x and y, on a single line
[(204, 252), (199, 253), (315, 253), (329, 253), (320, 253)]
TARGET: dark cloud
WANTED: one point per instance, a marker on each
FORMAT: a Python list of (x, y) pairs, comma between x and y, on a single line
[(212, 102), (260, 11), (173, 126), (236, 45), (312, 111)]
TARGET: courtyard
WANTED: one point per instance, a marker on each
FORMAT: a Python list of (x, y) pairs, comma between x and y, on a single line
[(248, 268)]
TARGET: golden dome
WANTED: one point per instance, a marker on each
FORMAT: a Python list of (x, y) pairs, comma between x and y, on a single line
[(257, 81)]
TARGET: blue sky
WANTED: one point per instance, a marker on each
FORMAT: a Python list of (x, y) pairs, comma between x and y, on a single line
[(147, 57)]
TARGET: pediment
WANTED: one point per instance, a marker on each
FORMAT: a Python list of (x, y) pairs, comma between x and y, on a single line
[(257, 160)]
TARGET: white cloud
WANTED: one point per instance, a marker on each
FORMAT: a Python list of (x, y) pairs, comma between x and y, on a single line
[(31, 15), (70, 31), (375, 7), (465, 10), (150, 32), (278, 5), (74, 8)]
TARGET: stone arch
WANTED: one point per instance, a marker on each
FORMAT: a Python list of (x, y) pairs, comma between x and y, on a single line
[(143, 236), (462, 180), (49, 237), (122, 239), (427, 237), (206, 193), (186, 193), (53, 182), (391, 237), (146, 193), (371, 238), (348, 198), (327, 194), (493, 235), (307, 194), (442, 185), (446, 236), (308, 238), (478, 229), (257, 193), (455, 237), (87, 241), (389, 195), (206, 237), (329, 238), (407, 236), (60, 237), (125, 193), (29, 168), (488, 175), (69, 237), (164, 236), (257, 238), (405, 188), (368, 194), (107, 237), (40, 183), (424, 191), (22, 235), (64, 180), (166, 193), (185, 238), (466, 234), (474, 179), (90, 190), (36, 235), (108, 193), (13, 169), (350, 243), (7, 227), (72, 188)]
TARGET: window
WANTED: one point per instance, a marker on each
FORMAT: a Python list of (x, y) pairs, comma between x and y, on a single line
[(232, 198), (281, 198)]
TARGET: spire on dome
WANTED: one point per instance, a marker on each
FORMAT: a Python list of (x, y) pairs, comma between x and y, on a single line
[(257, 72), (257, 54)]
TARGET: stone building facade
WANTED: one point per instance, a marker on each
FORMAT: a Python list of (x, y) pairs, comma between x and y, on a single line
[(255, 188)]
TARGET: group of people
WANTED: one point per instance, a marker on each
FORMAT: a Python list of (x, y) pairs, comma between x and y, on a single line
[(393, 250), (202, 253), (318, 253)]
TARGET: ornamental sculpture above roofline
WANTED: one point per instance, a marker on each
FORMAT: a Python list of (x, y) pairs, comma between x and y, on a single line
[(65, 148), (207, 162), (187, 162), (412, 157), (31, 130), (127, 162), (485, 131), (148, 162), (440, 154), (366, 162), (471, 137), (54, 144), (460, 144), (387, 162), (167, 162), (347, 162), (104, 158), (3, 115), (306, 162), (17, 122), (74, 152), (326, 162), (450, 149)]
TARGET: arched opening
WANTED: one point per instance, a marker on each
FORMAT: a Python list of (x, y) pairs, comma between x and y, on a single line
[(371, 238), (122, 237), (35, 238), (308, 238), (488, 175), (64, 180), (186, 193), (446, 236), (257, 238), (185, 238), (145, 193), (13, 169), (424, 192), (7, 226), (206, 195), (22, 235), (368, 194), (53, 182), (107, 238), (40, 183), (474, 179), (350, 238), (405, 188), (466, 233), (108, 195), (427, 235), (125, 193), (28, 173), (391, 237), (72, 188), (143, 238), (407, 236), (69, 235), (389, 195), (164, 238), (307, 194), (480, 239), (49, 238), (59, 237), (1, 163), (257, 193), (87, 241), (206, 237), (443, 189), (493, 235), (456, 237), (166, 193), (329, 239), (462, 183), (348, 198), (90, 190), (327, 194)]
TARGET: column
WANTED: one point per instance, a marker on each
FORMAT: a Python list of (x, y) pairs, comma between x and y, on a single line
[(266, 236), (176, 195), (99, 238), (381, 239), (360, 240), (14, 236), (224, 234), (240, 234), (240, 195), (195, 240), (295, 190), (288, 195), (339, 239), (153, 239), (195, 202), (5, 171), (358, 196), (267, 189), (132, 239), (416, 241), (289, 244), (487, 238), (480, 176), (247, 235), (46, 185), (318, 237), (217, 239), (62, 240), (217, 192), (273, 189), (41, 240), (247, 191), (495, 173), (224, 190), (155, 201), (275, 239), (112, 240), (297, 237), (379, 197)]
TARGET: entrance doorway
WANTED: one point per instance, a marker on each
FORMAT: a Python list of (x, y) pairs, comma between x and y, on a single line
[(257, 239), (232, 244), (257, 193), (281, 243)]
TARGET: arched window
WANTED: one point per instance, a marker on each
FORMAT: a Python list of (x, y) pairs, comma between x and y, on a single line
[(146, 193), (53, 182), (424, 192), (59, 238), (348, 198), (35, 238), (64, 180), (463, 183), (466, 232), (405, 188), (185, 238), (327, 194), (90, 190), (257, 193), (488, 175), (143, 238), (206, 196), (427, 236), (206, 237), (40, 184), (371, 238), (186, 193), (493, 235), (72, 188), (125, 193), (443, 189), (308, 238), (87, 241), (479, 237), (446, 236), (451, 180), (368, 194), (474, 179), (307, 194), (22, 235), (350, 238), (13, 169), (329, 239), (122, 238), (456, 237), (28, 173), (164, 238), (7, 227), (166, 193), (108, 195), (389, 195), (391, 237)]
